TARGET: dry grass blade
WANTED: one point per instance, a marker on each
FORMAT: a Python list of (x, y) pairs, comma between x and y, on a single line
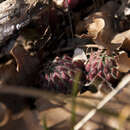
[(107, 98), (29, 92), (74, 94), (44, 123)]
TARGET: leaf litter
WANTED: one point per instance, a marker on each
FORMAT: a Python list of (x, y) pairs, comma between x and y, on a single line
[(56, 40)]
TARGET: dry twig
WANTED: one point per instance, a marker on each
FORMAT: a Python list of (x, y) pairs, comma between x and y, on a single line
[(125, 81)]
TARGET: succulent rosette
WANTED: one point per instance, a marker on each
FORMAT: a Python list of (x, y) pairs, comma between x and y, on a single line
[(59, 75), (101, 71), (98, 72)]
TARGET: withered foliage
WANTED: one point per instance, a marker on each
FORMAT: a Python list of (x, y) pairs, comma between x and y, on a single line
[(38, 39)]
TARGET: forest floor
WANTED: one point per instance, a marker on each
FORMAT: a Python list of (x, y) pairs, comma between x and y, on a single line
[(64, 65)]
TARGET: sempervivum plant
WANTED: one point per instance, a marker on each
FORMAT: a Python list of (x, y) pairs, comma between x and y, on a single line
[(59, 75), (101, 71)]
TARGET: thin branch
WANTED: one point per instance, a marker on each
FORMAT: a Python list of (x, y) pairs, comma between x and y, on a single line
[(29, 92), (125, 81)]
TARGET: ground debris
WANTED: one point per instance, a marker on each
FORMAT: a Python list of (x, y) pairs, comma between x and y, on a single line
[(46, 44)]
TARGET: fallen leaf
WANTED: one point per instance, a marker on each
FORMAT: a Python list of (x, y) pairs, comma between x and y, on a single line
[(123, 62), (126, 45), (8, 74), (27, 68), (26, 73), (120, 37), (100, 25), (27, 65), (80, 27)]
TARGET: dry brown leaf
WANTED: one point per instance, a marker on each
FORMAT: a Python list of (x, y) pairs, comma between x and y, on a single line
[(26, 75), (80, 27), (8, 74), (120, 37), (122, 40), (27, 66), (126, 45), (123, 62), (100, 25)]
